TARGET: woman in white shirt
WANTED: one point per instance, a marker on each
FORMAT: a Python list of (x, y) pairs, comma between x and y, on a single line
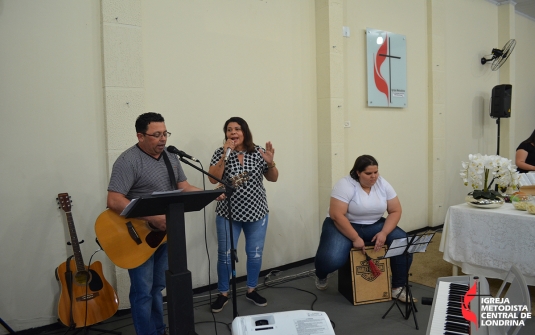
[(357, 205)]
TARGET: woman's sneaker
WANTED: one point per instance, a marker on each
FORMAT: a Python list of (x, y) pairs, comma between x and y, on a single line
[(256, 298), (321, 284), (403, 296), (220, 302)]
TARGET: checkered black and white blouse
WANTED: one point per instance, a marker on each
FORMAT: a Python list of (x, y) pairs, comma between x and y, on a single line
[(249, 202)]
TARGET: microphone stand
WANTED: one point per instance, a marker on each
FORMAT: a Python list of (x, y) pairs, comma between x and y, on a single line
[(229, 190)]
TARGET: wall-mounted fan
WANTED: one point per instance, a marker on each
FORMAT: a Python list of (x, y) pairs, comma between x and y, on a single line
[(498, 57)]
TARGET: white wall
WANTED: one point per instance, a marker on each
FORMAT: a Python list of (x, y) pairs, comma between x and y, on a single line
[(206, 61), (396, 137), (469, 128), (523, 90), (52, 141)]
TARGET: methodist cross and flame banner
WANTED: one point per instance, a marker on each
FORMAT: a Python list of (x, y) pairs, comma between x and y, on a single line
[(387, 69)]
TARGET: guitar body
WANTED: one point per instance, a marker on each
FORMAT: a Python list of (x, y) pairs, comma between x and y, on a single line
[(127, 242), (97, 297)]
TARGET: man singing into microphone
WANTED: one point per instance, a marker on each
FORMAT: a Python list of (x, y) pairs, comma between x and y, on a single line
[(141, 170)]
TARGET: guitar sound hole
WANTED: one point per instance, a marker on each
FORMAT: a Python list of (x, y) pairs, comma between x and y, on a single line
[(82, 277)]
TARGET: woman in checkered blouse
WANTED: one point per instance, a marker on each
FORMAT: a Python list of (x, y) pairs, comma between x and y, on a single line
[(249, 205)]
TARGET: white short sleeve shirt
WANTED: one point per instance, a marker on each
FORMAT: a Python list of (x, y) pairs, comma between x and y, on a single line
[(363, 208)]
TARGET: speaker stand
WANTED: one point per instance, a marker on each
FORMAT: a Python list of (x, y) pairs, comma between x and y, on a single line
[(498, 145)]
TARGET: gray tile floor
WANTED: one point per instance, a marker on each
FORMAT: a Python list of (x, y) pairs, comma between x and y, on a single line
[(301, 294)]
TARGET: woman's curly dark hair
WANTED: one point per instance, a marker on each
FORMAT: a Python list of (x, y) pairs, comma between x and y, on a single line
[(247, 135), (361, 163)]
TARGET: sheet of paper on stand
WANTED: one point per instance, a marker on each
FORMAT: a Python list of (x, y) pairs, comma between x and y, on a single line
[(167, 192), (420, 243), (127, 208)]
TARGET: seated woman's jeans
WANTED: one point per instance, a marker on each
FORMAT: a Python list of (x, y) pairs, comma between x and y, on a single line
[(333, 251)]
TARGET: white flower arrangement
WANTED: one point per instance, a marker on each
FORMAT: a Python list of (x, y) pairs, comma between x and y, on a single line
[(482, 170)]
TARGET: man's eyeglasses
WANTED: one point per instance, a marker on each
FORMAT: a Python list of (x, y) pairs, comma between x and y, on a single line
[(159, 135)]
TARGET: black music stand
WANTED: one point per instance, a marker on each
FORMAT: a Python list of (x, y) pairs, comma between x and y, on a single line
[(405, 246), (178, 278), (229, 190)]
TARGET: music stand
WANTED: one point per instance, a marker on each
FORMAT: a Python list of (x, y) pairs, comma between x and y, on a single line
[(229, 190), (405, 246), (178, 278)]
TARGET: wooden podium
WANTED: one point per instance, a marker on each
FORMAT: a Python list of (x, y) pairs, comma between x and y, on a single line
[(178, 277)]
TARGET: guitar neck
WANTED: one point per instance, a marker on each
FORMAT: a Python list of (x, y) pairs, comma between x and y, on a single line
[(78, 259)]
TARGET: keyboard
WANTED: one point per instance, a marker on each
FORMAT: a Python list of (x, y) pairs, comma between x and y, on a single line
[(446, 315)]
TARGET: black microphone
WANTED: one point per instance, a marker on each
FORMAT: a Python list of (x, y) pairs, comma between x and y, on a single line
[(227, 153), (174, 150)]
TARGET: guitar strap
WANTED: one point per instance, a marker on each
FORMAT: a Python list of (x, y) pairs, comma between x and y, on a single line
[(170, 170), (68, 280)]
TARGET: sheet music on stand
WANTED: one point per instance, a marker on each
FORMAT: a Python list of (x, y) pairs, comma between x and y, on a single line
[(407, 246), (133, 201), (418, 243), (127, 208)]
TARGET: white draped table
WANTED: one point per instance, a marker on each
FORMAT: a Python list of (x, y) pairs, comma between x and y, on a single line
[(486, 242)]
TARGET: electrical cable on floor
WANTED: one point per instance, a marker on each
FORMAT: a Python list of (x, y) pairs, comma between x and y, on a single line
[(273, 284), (226, 324)]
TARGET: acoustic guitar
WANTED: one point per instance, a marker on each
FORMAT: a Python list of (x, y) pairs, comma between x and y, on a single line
[(127, 242), (86, 297), (130, 242)]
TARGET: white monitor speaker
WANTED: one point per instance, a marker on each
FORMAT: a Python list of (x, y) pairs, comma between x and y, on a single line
[(283, 323)]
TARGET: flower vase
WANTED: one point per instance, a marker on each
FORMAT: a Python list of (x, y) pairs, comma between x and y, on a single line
[(484, 203)]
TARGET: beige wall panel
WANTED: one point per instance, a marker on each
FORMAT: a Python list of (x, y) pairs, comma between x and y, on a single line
[(335, 28), (439, 16), (324, 166), (324, 121), (323, 67), (438, 53), (439, 121), (324, 200), (439, 194), (254, 20), (338, 162), (439, 154), (439, 87), (122, 109), (321, 4), (322, 31), (337, 121), (122, 12), (123, 63), (524, 118), (337, 76)]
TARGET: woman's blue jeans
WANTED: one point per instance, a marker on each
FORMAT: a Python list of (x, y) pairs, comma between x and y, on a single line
[(146, 284), (255, 236), (333, 251)]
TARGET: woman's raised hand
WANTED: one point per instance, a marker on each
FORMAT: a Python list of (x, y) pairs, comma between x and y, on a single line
[(268, 153)]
